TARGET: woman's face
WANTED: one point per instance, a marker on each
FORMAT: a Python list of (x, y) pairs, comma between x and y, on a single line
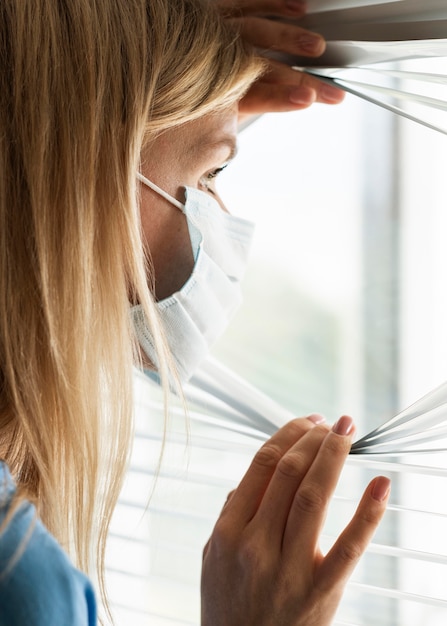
[(189, 155)]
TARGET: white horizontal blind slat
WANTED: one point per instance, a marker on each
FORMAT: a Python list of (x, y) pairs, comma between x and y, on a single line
[(156, 551)]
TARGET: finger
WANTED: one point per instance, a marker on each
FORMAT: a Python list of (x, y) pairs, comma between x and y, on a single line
[(206, 548), (270, 35), (309, 506), (284, 89), (266, 98), (278, 73), (229, 496), (274, 509), (341, 560), (288, 8), (245, 500)]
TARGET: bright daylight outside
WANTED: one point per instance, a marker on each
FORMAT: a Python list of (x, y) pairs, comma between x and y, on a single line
[(345, 312)]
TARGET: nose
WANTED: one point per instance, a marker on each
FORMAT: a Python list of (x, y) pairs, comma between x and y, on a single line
[(221, 203)]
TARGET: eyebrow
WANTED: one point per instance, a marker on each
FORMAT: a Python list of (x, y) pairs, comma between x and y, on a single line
[(210, 142)]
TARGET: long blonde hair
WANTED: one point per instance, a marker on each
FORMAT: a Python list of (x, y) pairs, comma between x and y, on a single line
[(82, 84)]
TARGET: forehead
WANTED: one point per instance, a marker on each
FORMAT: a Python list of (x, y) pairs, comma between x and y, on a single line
[(208, 133)]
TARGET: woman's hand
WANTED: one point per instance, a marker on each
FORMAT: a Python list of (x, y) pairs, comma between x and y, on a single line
[(262, 565), (280, 88)]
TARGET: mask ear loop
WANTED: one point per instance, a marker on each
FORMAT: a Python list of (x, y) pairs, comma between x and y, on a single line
[(194, 232), (160, 192)]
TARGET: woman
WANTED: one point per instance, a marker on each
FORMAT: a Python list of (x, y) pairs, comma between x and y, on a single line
[(89, 92)]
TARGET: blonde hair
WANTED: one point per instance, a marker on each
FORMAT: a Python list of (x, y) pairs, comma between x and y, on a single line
[(82, 84)]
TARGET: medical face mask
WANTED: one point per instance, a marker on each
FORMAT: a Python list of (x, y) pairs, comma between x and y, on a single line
[(194, 317)]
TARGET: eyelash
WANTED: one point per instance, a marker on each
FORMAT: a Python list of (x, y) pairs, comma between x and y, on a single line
[(215, 173), (211, 176)]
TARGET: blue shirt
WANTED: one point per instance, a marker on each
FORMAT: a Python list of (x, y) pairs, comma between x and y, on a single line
[(41, 587)]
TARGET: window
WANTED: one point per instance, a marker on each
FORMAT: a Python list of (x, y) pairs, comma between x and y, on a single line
[(344, 312)]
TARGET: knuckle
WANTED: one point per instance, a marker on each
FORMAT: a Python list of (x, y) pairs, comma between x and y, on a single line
[(291, 465), (205, 549), (296, 429), (250, 554), (370, 517), (350, 552), (254, 557), (299, 427), (268, 456), (338, 446), (222, 537), (285, 35), (309, 499), (229, 496)]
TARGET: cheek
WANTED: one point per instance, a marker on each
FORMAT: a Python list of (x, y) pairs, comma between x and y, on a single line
[(167, 241)]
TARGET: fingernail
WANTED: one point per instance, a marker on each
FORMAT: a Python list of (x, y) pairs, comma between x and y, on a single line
[(381, 488), (296, 5), (304, 96), (311, 43), (344, 426), (316, 418), (330, 94)]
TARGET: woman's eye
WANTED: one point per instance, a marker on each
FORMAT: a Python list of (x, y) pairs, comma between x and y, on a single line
[(215, 173), (208, 179)]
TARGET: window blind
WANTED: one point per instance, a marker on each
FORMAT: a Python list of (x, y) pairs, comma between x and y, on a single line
[(374, 51), (344, 311), (155, 552)]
